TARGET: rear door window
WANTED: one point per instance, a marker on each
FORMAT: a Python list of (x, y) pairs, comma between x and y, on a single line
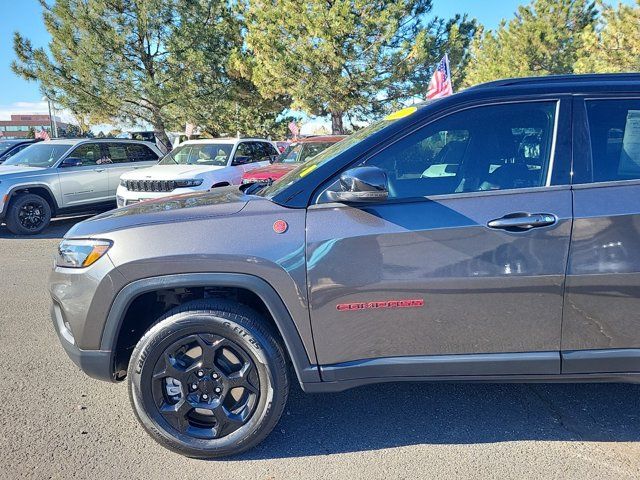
[(89, 153), (140, 153), (614, 130), (116, 153)]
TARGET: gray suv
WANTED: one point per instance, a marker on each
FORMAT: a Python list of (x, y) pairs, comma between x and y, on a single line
[(493, 235), (66, 176)]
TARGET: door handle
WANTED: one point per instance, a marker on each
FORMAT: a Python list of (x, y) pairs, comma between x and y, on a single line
[(522, 221), (98, 169)]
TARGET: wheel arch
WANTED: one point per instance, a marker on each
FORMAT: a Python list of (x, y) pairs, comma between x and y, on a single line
[(36, 188), (112, 332)]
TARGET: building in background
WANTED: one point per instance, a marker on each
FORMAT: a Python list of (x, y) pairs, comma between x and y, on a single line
[(21, 124)]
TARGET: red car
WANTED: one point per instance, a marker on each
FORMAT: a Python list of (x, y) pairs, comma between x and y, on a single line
[(296, 153)]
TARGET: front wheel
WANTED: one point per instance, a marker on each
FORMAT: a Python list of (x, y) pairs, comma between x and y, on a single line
[(209, 379), (28, 214)]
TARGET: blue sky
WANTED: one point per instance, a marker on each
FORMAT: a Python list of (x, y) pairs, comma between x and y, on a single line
[(25, 16)]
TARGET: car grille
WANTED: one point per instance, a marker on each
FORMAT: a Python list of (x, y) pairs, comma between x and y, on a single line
[(150, 185)]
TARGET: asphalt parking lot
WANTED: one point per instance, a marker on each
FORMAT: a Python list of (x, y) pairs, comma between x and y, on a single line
[(57, 423)]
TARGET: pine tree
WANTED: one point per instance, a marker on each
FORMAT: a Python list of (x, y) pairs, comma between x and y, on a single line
[(347, 57), (159, 62), (615, 45), (545, 37)]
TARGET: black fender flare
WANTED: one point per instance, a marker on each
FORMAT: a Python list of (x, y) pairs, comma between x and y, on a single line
[(27, 186), (305, 371)]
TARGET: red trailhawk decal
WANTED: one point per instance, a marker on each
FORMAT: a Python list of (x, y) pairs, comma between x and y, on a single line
[(411, 303)]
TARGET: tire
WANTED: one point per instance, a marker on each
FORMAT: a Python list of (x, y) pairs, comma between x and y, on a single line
[(37, 210), (206, 325)]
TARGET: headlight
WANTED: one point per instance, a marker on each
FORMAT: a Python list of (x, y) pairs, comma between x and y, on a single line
[(190, 182), (123, 183), (81, 253)]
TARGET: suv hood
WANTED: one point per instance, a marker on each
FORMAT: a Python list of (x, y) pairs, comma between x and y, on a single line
[(169, 172), (185, 207), (17, 170)]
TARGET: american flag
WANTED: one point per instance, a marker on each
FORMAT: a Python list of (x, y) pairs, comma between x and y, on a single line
[(43, 134), (294, 128), (440, 84)]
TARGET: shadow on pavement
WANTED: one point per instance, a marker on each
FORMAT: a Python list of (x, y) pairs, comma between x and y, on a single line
[(57, 229), (395, 415)]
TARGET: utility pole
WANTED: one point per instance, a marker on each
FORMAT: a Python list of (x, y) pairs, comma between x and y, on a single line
[(53, 125)]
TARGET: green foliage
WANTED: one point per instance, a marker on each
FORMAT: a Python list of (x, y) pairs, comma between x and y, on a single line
[(545, 37), (142, 61), (615, 45), (353, 57)]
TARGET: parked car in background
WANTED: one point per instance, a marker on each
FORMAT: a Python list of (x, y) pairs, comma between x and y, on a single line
[(9, 148), (282, 146), (197, 165), (296, 153), (57, 177)]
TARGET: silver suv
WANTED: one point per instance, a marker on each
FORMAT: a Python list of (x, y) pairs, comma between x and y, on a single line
[(66, 176)]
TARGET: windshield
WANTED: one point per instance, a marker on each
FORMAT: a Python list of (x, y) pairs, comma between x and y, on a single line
[(38, 155), (320, 159), (300, 152), (199, 154)]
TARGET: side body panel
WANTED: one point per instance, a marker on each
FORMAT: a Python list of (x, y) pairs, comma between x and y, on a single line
[(602, 307), (601, 326), (484, 290)]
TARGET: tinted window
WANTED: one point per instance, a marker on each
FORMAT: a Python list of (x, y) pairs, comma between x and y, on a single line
[(4, 146), (271, 150), (140, 153), (486, 148), (12, 152), (89, 153), (614, 127), (245, 149), (116, 153)]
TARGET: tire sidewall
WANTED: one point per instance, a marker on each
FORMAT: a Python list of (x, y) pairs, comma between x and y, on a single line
[(153, 345), (13, 222)]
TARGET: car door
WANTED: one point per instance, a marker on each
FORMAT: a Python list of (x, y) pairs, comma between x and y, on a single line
[(602, 307), (88, 182), (439, 279), (122, 157)]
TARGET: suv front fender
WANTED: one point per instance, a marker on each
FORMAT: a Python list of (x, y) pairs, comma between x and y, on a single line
[(305, 371), (27, 186)]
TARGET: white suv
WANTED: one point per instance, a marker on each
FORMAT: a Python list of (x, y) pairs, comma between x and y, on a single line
[(196, 165)]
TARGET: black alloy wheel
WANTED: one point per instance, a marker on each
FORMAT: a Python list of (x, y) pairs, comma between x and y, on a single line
[(205, 386), (31, 216)]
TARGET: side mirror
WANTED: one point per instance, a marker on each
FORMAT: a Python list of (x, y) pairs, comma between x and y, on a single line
[(71, 162), (273, 158), (360, 184), (241, 160)]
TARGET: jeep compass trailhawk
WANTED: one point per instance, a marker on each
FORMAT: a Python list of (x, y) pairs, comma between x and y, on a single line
[(491, 235)]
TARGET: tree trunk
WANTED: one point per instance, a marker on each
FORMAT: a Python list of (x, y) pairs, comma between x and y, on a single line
[(336, 123), (159, 130)]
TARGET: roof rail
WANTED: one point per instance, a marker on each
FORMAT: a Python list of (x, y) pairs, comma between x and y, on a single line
[(573, 78)]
